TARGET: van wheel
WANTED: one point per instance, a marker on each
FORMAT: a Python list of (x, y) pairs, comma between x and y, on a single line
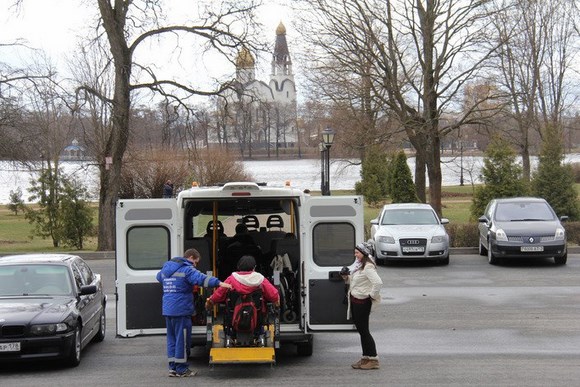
[(305, 349)]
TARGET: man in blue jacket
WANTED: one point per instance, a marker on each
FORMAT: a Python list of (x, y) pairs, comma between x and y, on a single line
[(178, 277)]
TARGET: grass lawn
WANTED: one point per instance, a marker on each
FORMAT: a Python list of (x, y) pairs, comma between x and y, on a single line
[(15, 236)]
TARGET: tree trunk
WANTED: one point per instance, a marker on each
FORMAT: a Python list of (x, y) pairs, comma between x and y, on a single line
[(420, 182)]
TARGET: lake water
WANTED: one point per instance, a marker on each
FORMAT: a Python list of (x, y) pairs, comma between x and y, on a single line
[(303, 174)]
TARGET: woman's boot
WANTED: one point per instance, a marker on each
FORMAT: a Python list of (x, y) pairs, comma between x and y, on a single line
[(359, 363), (372, 363)]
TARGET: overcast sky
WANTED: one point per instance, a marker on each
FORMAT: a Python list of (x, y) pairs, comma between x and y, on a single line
[(56, 26)]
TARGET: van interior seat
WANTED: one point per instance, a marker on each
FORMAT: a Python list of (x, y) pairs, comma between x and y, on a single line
[(210, 228), (275, 221), (251, 222)]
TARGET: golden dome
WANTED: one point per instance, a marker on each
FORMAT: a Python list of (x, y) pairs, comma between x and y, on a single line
[(245, 59), (281, 30)]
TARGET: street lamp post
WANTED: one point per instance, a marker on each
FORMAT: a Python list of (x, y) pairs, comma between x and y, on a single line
[(461, 157), (327, 140), (322, 149)]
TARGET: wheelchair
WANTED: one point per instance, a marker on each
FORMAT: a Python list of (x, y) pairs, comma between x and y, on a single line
[(232, 338)]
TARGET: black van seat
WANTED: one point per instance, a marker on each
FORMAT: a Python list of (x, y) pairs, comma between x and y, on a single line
[(251, 222), (210, 227)]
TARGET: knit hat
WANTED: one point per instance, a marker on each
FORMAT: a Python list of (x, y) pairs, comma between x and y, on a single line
[(246, 263), (365, 249)]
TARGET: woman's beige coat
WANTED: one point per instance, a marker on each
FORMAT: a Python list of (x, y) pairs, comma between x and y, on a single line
[(363, 284)]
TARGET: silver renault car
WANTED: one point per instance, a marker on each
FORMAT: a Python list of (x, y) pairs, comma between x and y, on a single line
[(410, 231)]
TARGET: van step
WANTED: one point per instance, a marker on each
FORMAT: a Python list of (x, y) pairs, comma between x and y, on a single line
[(242, 355)]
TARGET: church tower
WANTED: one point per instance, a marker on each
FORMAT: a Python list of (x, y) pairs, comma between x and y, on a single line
[(245, 66), (282, 78)]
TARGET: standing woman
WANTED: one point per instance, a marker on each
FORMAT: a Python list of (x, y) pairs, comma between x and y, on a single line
[(364, 292)]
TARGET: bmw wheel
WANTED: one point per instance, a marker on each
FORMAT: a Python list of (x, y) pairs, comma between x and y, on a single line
[(100, 336), (74, 357)]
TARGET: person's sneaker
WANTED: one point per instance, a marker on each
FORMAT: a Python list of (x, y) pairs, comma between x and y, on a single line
[(186, 373), (172, 374)]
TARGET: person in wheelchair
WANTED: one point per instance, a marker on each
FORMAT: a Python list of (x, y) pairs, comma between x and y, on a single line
[(246, 284)]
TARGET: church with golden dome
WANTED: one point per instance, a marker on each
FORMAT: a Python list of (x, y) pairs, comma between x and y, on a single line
[(259, 118)]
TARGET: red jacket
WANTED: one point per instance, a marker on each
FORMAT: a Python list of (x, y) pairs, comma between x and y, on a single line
[(245, 282)]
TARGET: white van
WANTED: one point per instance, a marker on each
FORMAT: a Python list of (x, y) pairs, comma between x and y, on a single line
[(317, 233)]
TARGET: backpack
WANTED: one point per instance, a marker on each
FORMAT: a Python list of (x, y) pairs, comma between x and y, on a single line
[(245, 315)]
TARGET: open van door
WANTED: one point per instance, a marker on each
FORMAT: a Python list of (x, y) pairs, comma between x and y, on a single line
[(146, 238), (333, 227)]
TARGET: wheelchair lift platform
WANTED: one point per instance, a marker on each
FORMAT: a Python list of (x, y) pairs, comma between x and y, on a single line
[(221, 354), (240, 355)]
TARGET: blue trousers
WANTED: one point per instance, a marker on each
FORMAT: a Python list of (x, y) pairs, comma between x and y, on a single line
[(178, 341)]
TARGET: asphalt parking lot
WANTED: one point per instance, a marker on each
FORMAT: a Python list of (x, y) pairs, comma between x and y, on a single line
[(469, 323)]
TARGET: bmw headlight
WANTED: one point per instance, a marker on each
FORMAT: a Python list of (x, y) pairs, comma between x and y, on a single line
[(560, 234), (386, 239), (48, 329), (438, 239), (500, 235)]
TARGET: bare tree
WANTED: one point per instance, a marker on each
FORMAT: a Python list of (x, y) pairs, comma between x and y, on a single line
[(540, 45), (422, 53), (222, 27)]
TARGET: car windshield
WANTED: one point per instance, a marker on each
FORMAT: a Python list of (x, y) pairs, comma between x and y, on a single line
[(409, 216), (524, 211), (34, 280)]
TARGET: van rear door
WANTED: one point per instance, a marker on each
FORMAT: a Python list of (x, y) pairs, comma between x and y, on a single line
[(146, 238), (333, 226)]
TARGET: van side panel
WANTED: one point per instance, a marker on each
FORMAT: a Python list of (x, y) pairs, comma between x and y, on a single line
[(144, 306)]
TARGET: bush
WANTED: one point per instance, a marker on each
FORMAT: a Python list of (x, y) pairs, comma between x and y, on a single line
[(143, 175), (463, 235), (402, 187), (16, 203), (501, 176), (215, 167), (554, 181), (573, 232), (374, 175)]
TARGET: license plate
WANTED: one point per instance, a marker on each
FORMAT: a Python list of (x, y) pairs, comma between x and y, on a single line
[(10, 347), (413, 249), (532, 248)]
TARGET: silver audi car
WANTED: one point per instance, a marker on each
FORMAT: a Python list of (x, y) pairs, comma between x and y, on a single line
[(410, 231)]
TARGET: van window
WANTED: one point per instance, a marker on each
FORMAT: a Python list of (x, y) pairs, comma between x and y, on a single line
[(333, 244), (147, 247)]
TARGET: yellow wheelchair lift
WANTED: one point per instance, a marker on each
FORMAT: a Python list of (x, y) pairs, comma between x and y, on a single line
[(223, 351)]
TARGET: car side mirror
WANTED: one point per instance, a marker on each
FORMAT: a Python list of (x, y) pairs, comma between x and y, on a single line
[(88, 289), (482, 219), (564, 218), (375, 221), (444, 221)]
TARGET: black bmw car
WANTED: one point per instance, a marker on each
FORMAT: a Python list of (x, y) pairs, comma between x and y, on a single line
[(523, 227), (51, 307)]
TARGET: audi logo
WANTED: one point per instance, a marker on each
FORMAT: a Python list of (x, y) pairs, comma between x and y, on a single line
[(412, 242)]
